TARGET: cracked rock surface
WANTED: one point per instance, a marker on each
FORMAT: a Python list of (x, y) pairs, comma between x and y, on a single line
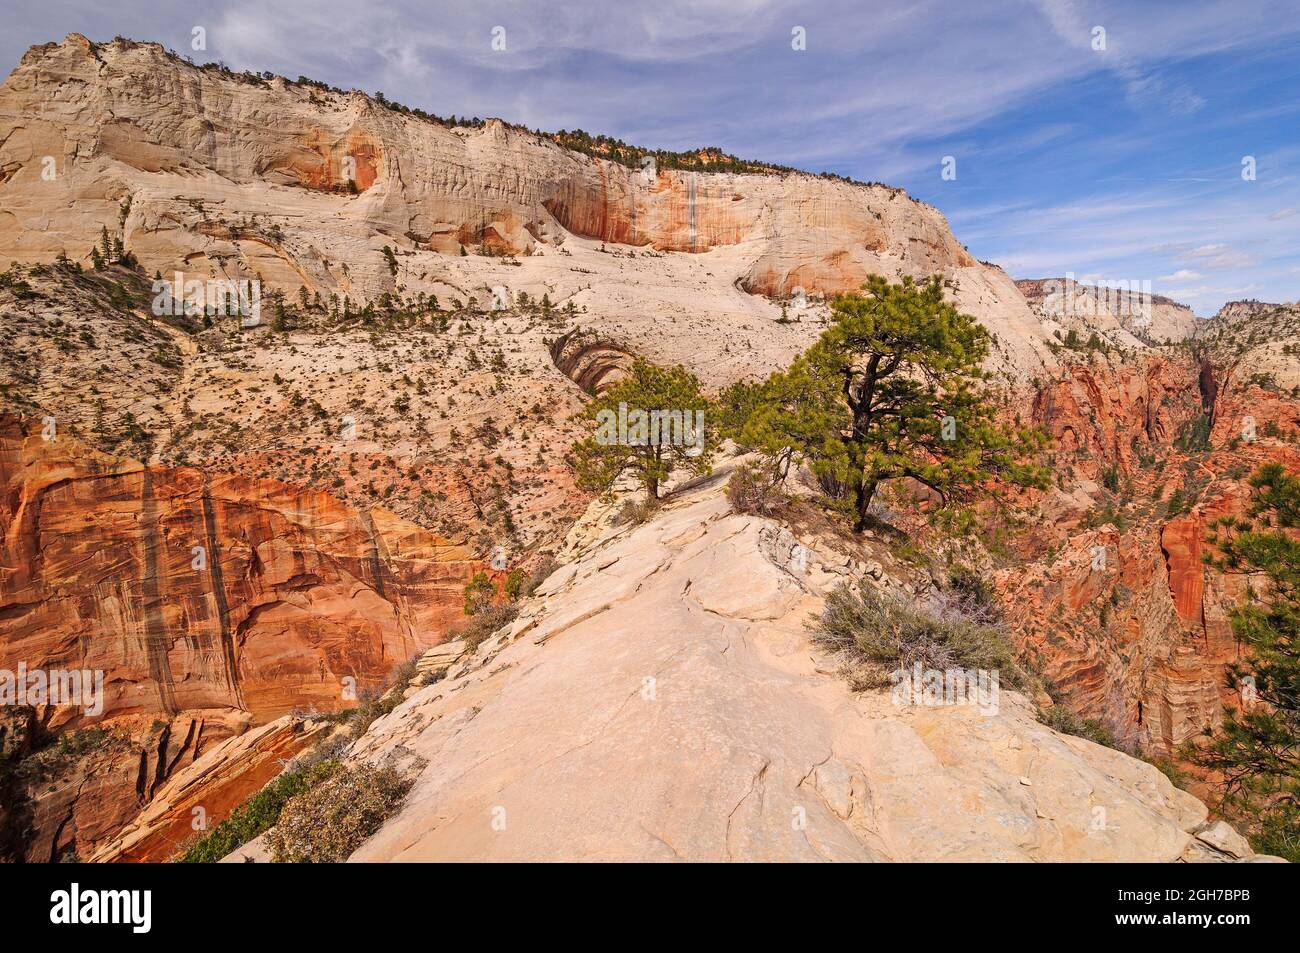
[(659, 699)]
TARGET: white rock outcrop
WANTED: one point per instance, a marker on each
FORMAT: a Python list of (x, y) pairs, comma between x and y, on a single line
[(659, 699), (225, 176)]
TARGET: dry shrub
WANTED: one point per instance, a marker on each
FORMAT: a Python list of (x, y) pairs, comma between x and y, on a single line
[(636, 512), (481, 626), (260, 812), (329, 821), (754, 490), (545, 566), (881, 634)]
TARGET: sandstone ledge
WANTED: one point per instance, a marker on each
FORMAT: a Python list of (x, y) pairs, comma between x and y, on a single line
[(659, 700)]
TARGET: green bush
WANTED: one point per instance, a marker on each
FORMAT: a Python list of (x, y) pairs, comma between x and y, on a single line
[(1277, 832), (479, 593), (1195, 434)]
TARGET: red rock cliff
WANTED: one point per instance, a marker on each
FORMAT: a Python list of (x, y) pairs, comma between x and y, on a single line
[(193, 591), (1116, 603)]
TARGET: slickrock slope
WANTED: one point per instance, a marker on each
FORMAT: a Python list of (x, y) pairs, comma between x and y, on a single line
[(241, 176), (659, 700)]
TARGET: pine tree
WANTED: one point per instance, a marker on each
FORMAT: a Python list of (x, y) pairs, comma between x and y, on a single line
[(479, 593), (651, 423), (892, 389)]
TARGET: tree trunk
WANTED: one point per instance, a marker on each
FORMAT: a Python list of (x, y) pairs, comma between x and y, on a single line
[(651, 489), (864, 492)]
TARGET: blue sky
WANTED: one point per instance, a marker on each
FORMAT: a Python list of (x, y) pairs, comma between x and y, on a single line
[(1115, 163)]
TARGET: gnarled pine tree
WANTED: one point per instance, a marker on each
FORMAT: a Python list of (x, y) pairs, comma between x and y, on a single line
[(893, 388)]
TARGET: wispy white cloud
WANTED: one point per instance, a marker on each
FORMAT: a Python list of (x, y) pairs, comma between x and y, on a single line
[(1218, 256)]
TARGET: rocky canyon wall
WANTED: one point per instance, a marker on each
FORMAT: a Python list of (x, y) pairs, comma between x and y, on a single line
[(241, 175), (195, 590), (1114, 598), (211, 604)]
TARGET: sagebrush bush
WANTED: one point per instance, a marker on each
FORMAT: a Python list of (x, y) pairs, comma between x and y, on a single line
[(478, 628), (881, 631), (327, 822), (636, 512), (545, 566)]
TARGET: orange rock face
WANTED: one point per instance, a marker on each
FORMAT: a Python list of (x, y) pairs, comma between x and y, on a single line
[(1126, 618), (208, 788), (1100, 414), (209, 603), (331, 165), (73, 804), (1181, 541), (198, 591), (676, 211)]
